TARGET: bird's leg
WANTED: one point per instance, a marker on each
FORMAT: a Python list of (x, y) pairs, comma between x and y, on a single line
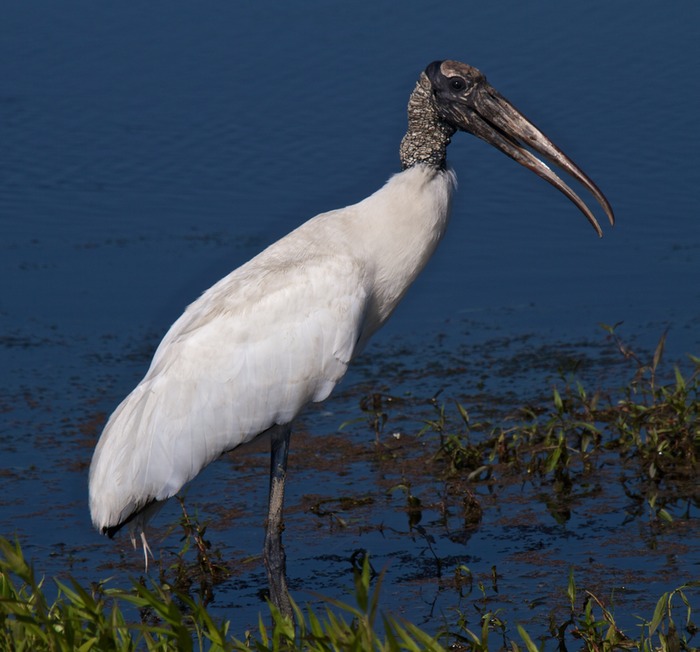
[(273, 552)]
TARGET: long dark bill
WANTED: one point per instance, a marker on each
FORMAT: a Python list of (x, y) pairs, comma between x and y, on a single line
[(495, 120)]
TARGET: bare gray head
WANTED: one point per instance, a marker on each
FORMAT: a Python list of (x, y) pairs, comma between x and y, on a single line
[(451, 96)]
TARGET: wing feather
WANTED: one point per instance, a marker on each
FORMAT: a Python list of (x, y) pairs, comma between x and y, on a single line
[(248, 354)]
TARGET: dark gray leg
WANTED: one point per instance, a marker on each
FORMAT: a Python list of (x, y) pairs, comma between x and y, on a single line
[(273, 552)]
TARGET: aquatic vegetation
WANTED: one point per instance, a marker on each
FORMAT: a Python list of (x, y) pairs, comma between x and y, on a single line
[(643, 437), (652, 426)]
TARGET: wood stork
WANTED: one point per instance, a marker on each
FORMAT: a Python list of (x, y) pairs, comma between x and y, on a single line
[(279, 332)]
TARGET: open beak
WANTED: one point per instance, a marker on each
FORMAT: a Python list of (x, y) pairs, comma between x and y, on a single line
[(484, 112)]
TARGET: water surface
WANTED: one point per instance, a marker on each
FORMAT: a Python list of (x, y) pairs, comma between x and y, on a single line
[(148, 150)]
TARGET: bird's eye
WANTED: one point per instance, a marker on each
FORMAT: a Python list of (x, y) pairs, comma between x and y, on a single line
[(457, 84)]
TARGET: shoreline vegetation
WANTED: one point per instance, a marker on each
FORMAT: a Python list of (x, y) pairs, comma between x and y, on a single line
[(649, 429), (101, 618)]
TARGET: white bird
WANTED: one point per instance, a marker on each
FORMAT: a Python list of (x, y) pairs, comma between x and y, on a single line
[(279, 332)]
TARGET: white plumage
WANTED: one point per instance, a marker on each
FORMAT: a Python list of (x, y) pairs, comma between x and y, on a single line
[(274, 335)]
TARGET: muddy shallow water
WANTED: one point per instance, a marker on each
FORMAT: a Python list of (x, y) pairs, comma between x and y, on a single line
[(147, 152), (349, 489)]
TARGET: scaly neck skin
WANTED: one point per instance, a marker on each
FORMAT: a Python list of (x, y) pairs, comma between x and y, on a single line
[(428, 135)]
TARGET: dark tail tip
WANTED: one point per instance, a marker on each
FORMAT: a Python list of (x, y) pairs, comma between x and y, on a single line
[(111, 531)]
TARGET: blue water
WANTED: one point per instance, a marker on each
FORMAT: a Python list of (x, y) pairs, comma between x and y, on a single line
[(147, 150)]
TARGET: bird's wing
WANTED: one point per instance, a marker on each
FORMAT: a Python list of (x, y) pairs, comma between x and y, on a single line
[(248, 354)]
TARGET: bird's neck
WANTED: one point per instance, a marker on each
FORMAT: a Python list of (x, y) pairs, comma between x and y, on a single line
[(428, 135), (396, 231)]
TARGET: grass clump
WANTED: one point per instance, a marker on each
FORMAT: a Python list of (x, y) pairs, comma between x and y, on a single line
[(156, 618), (98, 618)]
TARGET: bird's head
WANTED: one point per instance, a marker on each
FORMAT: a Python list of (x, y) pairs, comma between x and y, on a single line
[(467, 102)]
